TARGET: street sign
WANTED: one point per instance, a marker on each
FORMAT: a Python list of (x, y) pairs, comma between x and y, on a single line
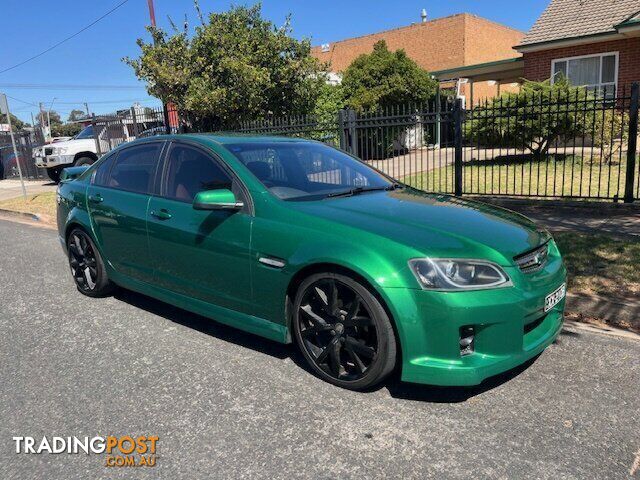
[(4, 106)]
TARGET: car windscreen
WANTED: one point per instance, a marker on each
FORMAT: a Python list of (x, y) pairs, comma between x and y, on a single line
[(87, 132), (306, 170)]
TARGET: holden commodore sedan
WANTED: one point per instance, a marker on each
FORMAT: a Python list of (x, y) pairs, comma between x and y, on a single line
[(300, 242)]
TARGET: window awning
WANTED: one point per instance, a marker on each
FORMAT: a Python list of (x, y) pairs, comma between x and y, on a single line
[(503, 71)]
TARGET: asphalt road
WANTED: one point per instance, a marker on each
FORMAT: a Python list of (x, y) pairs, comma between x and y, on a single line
[(227, 404)]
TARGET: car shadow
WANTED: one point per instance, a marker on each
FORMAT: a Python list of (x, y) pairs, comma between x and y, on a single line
[(396, 388), (204, 324)]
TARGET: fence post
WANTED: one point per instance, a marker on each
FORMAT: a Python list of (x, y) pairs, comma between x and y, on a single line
[(96, 134), (633, 143), (135, 122), (341, 129), (347, 126), (457, 140)]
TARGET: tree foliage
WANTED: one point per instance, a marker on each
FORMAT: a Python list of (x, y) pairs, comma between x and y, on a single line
[(383, 78), (75, 115), (235, 66), (535, 118), (43, 118), (65, 129), (16, 123)]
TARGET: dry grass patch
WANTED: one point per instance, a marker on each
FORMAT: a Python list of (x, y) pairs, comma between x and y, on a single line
[(601, 264), (41, 204)]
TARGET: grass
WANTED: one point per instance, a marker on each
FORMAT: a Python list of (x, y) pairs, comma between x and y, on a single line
[(553, 177), (42, 204), (601, 264)]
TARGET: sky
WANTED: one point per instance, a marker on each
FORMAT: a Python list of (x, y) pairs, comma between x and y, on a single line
[(92, 60)]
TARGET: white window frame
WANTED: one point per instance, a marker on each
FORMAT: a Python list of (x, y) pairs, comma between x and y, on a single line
[(592, 55)]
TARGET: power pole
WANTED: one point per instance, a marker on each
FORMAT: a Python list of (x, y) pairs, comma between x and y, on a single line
[(44, 136), (4, 108), (152, 13)]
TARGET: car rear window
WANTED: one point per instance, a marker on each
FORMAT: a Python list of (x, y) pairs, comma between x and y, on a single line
[(134, 168)]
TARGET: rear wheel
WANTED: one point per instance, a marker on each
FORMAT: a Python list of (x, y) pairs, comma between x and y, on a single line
[(343, 331), (87, 268), (54, 173)]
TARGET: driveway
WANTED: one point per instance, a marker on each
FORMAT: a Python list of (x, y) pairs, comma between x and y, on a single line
[(227, 404)]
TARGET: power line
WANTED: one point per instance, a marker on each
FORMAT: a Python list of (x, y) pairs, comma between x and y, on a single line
[(64, 40), (22, 101), (102, 102), (61, 86)]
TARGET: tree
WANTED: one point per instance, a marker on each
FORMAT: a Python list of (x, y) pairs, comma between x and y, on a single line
[(16, 123), (534, 118), (65, 129), (43, 118), (75, 115), (383, 79), (235, 66)]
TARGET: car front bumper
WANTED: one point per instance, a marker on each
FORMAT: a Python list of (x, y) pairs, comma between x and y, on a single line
[(53, 161), (509, 325)]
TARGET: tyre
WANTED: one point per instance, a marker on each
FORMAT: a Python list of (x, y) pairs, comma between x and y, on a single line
[(83, 161), (343, 332), (87, 267), (54, 173)]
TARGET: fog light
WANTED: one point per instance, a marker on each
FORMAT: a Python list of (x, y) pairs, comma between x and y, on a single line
[(467, 336)]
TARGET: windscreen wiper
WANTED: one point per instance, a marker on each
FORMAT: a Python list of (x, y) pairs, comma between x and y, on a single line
[(357, 190)]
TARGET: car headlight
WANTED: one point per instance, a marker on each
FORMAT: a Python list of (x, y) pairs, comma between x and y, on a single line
[(60, 150), (451, 274)]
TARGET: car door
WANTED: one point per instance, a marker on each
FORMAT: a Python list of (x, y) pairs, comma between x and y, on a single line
[(204, 254), (117, 202)]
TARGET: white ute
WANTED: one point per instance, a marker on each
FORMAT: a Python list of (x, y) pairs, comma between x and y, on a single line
[(80, 150)]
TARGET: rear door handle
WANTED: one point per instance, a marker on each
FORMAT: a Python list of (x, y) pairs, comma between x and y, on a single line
[(161, 214), (97, 198)]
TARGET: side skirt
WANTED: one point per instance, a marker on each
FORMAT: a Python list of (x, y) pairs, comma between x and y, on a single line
[(248, 323)]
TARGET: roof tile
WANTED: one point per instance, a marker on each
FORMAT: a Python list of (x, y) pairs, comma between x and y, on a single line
[(577, 18)]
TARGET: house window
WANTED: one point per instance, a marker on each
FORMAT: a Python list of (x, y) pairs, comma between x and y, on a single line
[(596, 72)]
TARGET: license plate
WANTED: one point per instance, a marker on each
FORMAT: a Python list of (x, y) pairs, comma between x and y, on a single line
[(554, 297)]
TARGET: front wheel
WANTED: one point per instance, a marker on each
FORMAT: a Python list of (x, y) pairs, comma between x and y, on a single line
[(87, 267), (343, 331), (84, 161)]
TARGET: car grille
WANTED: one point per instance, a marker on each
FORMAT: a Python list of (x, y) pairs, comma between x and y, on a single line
[(48, 151), (533, 260)]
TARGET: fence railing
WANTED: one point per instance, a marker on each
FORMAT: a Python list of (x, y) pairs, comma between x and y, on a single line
[(25, 141), (575, 145)]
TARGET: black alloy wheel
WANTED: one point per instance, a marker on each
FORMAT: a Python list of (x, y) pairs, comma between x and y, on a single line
[(86, 265), (343, 331)]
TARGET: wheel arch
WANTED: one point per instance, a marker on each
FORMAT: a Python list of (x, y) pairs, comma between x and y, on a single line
[(322, 267), (89, 154)]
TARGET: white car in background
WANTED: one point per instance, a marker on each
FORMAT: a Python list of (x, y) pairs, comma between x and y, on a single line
[(79, 150)]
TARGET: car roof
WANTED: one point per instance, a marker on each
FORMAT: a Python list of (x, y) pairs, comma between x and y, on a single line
[(234, 138)]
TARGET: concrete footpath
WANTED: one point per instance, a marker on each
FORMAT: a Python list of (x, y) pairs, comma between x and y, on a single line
[(11, 188)]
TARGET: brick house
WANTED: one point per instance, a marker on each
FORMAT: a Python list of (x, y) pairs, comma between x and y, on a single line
[(594, 43), (435, 45)]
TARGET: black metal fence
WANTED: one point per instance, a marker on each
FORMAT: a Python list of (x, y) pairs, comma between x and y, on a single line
[(25, 141), (576, 145)]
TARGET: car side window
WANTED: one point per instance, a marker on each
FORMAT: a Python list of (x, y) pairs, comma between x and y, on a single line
[(134, 168), (190, 170), (101, 178)]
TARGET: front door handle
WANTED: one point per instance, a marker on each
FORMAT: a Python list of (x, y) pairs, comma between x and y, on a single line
[(97, 198), (162, 214)]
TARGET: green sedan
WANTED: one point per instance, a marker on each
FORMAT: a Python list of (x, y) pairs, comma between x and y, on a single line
[(300, 242)]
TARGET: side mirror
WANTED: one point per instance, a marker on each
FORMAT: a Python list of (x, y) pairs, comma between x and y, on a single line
[(71, 173), (222, 199)]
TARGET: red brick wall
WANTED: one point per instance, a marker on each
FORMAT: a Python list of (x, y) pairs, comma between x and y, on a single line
[(537, 65), (438, 44)]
